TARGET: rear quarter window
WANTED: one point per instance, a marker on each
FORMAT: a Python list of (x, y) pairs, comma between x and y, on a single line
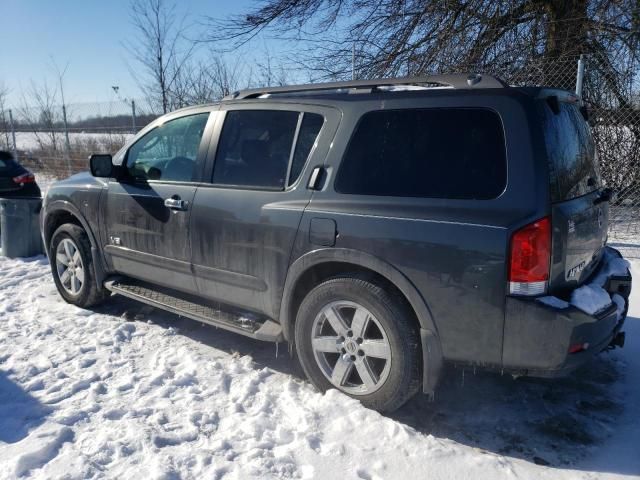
[(571, 152), (456, 153)]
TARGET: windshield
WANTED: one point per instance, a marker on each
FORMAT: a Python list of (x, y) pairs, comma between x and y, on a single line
[(571, 152)]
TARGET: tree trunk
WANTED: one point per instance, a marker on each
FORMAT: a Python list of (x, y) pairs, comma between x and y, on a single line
[(567, 27)]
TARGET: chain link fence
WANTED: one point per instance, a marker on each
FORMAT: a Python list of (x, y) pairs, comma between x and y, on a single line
[(56, 141), (613, 106)]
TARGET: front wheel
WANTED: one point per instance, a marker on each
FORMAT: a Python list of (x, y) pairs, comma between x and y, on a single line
[(72, 267), (353, 335)]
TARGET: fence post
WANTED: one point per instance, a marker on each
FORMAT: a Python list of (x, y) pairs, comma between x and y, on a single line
[(353, 61), (66, 137), (133, 117), (580, 77), (13, 134)]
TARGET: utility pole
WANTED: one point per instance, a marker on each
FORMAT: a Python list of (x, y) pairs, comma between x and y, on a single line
[(580, 78), (133, 116)]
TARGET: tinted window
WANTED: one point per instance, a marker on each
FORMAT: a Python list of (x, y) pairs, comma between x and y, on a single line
[(6, 161), (309, 129), (255, 148), (441, 153), (571, 152), (168, 152)]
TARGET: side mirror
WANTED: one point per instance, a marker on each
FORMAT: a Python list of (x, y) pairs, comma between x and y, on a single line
[(101, 165)]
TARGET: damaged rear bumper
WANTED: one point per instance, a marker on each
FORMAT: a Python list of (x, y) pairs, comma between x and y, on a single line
[(550, 337)]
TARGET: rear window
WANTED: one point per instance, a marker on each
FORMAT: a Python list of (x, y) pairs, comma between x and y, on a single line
[(571, 152), (6, 161), (456, 153)]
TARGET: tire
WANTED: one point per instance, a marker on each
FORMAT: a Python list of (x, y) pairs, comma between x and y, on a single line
[(85, 293), (385, 353)]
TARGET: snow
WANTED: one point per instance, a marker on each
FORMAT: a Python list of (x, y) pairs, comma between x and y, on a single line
[(28, 141), (126, 391), (554, 302), (592, 297)]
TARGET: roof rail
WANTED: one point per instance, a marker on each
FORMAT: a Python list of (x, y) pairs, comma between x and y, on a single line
[(454, 80)]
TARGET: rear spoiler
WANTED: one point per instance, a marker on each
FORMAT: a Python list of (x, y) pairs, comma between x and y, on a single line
[(554, 96)]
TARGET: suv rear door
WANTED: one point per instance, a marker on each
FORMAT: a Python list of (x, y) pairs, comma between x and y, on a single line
[(579, 207), (244, 223), (147, 210)]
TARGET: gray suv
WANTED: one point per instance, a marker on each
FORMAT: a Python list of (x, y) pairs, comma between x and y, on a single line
[(380, 227)]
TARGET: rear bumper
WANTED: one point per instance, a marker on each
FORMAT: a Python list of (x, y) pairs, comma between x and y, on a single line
[(538, 335)]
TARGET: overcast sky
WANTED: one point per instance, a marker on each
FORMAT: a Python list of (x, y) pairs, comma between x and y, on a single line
[(86, 34)]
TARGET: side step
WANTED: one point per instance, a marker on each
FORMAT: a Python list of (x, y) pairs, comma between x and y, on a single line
[(250, 325)]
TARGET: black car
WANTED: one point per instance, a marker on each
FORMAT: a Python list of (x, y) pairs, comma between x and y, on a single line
[(380, 227), (15, 180)]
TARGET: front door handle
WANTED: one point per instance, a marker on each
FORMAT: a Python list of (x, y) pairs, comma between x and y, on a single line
[(175, 203)]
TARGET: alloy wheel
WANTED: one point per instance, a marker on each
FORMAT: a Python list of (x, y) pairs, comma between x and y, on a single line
[(351, 348), (69, 266)]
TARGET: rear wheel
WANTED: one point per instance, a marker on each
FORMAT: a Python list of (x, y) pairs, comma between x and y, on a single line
[(353, 335), (72, 267)]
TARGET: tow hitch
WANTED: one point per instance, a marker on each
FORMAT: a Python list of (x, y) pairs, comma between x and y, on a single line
[(618, 340)]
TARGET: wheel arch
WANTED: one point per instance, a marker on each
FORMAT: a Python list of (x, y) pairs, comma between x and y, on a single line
[(318, 265), (60, 212)]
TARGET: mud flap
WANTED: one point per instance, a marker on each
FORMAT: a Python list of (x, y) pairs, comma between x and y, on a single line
[(431, 361)]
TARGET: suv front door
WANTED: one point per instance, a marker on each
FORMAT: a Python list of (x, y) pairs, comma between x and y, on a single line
[(147, 209), (245, 222)]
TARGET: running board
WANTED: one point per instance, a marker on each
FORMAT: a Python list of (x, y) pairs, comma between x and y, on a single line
[(250, 325)]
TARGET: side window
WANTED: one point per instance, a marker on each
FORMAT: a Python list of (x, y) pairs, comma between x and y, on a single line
[(255, 148), (456, 153), (168, 152), (309, 130)]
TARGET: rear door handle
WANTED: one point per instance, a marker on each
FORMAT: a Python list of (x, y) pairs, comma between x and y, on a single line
[(315, 179), (175, 203)]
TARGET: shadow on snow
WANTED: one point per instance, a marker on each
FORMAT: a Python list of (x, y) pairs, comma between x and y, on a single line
[(19, 411), (559, 423)]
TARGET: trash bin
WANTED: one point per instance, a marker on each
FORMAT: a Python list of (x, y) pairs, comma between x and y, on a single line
[(20, 228)]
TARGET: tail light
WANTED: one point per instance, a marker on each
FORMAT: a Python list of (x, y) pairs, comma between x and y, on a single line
[(529, 259), (24, 178)]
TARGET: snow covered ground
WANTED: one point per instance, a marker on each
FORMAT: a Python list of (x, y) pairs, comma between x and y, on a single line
[(29, 141), (126, 391)]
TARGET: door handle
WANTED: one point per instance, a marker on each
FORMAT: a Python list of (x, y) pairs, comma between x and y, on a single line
[(175, 203), (315, 179)]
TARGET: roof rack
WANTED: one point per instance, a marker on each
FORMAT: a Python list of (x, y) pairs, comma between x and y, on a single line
[(455, 80)]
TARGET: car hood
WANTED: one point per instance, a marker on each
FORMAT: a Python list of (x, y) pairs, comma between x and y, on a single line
[(75, 188), (80, 180)]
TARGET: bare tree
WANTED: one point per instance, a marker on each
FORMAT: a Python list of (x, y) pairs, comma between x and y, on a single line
[(523, 41), (40, 114), (60, 74), (207, 80), (160, 48), (270, 71), (5, 134), (397, 37)]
